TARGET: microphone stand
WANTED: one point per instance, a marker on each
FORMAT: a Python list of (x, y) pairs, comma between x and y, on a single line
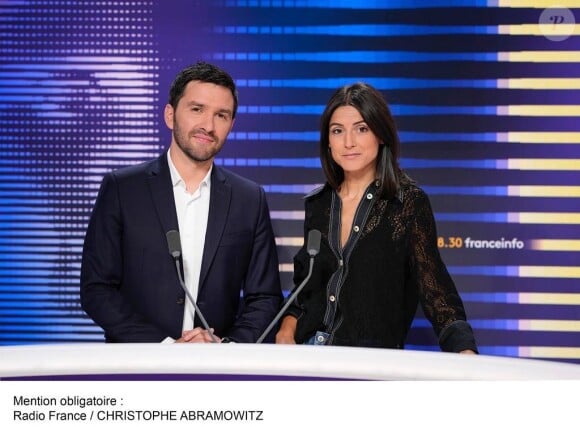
[(192, 300), (290, 301)]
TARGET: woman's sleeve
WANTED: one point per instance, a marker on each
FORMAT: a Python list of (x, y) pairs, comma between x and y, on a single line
[(438, 295)]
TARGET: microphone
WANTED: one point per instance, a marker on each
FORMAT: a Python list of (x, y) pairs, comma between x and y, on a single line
[(312, 247), (174, 245), (313, 243)]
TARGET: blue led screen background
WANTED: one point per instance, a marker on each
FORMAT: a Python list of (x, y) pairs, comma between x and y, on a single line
[(486, 95)]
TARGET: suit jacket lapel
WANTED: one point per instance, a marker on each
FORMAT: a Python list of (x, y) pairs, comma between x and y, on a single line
[(162, 193), (219, 206)]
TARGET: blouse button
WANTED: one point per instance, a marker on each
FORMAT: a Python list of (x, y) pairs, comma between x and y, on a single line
[(340, 263), (356, 228), (369, 196), (320, 338), (332, 298)]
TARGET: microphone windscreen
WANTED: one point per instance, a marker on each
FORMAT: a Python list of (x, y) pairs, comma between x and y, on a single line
[(313, 244), (173, 243)]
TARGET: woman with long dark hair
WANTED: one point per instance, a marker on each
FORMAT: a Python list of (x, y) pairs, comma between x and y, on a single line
[(378, 258)]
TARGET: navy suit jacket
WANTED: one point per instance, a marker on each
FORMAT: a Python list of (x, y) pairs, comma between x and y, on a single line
[(129, 282)]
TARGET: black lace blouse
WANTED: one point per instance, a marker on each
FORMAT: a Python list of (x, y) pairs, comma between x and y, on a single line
[(366, 293)]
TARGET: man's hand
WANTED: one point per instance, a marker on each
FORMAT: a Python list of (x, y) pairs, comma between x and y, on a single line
[(197, 335)]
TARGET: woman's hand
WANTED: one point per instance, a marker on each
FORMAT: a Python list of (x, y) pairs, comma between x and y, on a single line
[(287, 330)]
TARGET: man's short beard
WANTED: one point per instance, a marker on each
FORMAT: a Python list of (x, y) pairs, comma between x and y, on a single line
[(190, 152), (197, 157)]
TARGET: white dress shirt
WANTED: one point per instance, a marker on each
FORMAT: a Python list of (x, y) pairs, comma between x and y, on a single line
[(192, 215)]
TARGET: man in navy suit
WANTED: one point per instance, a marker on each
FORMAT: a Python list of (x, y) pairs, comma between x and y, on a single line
[(129, 281)]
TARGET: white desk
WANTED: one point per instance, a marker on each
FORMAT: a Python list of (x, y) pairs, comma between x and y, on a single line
[(268, 360)]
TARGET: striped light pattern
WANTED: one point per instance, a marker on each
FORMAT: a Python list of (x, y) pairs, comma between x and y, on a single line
[(563, 245), (518, 325), (540, 298), (544, 191), (549, 352), (386, 83), (76, 93), (553, 245), (535, 137), (540, 137), (544, 218), (562, 354), (415, 137), (423, 110), (363, 56), (290, 241), (495, 164), (395, 30), (397, 4), (530, 271)]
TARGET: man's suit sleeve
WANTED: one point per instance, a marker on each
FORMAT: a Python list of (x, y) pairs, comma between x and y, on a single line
[(262, 293), (102, 272)]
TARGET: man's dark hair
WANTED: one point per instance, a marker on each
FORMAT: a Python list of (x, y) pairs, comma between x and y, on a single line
[(203, 72)]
